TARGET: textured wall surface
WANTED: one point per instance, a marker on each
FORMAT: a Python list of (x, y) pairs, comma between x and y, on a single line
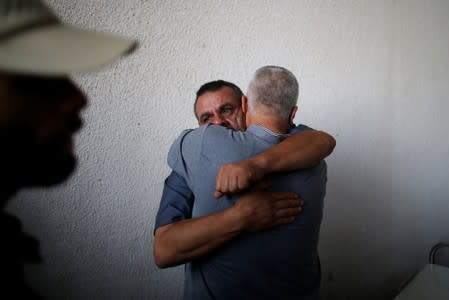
[(375, 74)]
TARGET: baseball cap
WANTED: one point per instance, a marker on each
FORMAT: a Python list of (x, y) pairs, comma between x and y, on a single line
[(34, 41)]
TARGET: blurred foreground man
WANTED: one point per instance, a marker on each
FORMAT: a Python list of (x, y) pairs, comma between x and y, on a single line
[(39, 113)]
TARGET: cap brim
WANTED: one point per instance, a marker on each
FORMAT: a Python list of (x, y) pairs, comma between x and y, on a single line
[(59, 49)]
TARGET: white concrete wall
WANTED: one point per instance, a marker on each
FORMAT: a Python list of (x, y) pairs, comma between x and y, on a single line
[(375, 74)]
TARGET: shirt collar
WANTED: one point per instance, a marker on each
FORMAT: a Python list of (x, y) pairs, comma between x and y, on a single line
[(266, 134)]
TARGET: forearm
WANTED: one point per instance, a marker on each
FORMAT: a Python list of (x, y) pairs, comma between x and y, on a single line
[(186, 240), (301, 150)]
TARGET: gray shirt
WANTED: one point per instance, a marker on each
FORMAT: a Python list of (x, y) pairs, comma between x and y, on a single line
[(279, 263)]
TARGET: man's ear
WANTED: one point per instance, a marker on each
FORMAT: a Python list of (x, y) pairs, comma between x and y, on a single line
[(292, 114), (244, 104)]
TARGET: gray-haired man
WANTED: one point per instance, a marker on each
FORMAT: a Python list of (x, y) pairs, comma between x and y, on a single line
[(279, 263)]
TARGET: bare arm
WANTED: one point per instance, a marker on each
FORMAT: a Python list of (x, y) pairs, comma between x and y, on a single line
[(302, 150), (186, 240)]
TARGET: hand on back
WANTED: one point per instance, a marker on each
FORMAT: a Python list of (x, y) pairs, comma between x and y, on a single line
[(259, 209)]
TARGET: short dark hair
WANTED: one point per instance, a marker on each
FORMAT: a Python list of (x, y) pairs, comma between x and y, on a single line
[(213, 86)]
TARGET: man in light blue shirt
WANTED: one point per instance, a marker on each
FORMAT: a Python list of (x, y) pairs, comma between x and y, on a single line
[(278, 263)]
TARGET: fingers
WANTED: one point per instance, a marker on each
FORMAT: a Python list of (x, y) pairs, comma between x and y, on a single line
[(261, 210), (288, 203), (226, 181), (260, 186), (233, 178), (225, 185), (232, 184), (288, 212), (287, 215)]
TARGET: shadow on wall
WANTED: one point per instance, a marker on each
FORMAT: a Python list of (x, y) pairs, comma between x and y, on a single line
[(359, 254)]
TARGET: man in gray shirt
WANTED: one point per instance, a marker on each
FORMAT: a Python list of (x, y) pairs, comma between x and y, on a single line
[(279, 263)]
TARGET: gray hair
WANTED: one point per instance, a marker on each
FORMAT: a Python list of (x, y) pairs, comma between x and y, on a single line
[(274, 87)]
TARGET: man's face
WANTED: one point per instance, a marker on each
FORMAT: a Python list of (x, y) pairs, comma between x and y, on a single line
[(222, 107), (38, 117)]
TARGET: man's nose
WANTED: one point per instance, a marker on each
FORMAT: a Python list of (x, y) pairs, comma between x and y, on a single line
[(75, 101), (218, 120)]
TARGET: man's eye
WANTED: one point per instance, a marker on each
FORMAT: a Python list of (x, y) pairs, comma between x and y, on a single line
[(205, 119), (227, 109)]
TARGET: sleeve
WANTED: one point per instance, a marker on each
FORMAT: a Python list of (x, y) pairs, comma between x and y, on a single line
[(184, 154), (299, 128), (176, 203), (177, 197)]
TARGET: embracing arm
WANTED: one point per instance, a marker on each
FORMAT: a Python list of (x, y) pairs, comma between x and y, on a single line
[(187, 239), (299, 151), (181, 239)]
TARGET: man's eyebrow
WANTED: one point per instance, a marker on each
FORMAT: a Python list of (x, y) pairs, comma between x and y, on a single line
[(227, 104)]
